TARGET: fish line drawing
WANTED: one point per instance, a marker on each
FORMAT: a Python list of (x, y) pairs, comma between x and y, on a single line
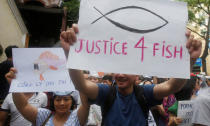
[(124, 27), (47, 61)]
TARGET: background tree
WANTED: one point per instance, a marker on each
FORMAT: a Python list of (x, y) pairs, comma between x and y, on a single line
[(199, 17), (73, 11)]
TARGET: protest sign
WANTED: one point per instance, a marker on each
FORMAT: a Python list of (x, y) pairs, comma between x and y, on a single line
[(151, 120), (39, 70), (145, 37), (185, 111)]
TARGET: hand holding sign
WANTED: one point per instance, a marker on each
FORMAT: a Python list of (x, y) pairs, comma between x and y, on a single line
[(68, 37), (11, 75), (194, 46)]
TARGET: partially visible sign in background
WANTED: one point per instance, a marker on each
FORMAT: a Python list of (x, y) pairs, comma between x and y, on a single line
[(144, 37), (39, 70), (185, 111)]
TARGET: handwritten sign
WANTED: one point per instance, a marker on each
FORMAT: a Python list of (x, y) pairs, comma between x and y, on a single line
[(185, 111), (151, 120), (40, 69), (144, 37)]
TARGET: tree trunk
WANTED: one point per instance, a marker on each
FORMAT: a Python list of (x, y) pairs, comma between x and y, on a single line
[(205, 52)]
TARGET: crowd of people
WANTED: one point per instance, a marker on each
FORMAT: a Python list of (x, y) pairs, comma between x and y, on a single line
[(106, 99)]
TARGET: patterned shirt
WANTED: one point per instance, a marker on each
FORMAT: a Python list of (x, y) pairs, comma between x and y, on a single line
[(44, 113), (168, 102)]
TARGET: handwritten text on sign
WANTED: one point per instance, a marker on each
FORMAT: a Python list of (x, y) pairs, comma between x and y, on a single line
[(41, 69), (132, 37), (185, 111), (110, 47)]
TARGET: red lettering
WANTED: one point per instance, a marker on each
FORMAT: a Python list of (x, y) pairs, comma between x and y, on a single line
[(175, 52), (167, 50), (111, 48), (88, 48), (111, 44), (124, 47), (97, 47), (102, 47), (80, 48), (154, 48), (163, 49), (115, 48), (142, 47), (105, 44)]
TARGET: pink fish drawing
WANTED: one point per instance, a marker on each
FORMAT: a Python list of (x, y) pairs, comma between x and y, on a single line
[(47, 61)]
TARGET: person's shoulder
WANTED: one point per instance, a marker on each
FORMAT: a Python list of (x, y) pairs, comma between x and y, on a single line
[(5, 66), (43, 111), (8, 101), (6, 62), (105, 87), (147, 86), (8, 97)]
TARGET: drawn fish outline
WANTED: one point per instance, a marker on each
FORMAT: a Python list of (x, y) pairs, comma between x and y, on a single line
[(126, 27)]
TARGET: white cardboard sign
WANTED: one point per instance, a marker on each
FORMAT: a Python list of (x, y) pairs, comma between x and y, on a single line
[(40, 70), (145, 37), (185, 111)]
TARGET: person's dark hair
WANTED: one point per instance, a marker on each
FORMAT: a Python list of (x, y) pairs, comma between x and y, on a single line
[(52, 108), (107, 77), (160, 80), (86, 72), (8, 51), (186, 92)]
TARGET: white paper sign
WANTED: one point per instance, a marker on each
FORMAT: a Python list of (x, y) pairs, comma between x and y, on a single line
[(144, 37), (151, 120), (39, 70), (185, 111)]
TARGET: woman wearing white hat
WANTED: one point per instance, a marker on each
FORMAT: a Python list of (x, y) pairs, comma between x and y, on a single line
[(61, 113)]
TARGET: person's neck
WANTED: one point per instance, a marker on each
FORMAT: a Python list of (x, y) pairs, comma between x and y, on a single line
[(126, 91)]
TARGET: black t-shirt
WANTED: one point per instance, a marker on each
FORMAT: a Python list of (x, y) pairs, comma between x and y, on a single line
[(4, 85)]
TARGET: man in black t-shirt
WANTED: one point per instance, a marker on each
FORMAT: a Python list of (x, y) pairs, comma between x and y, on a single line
[(4, 68)]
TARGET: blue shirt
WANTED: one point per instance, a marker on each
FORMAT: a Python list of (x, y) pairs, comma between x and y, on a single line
[(125, 110)]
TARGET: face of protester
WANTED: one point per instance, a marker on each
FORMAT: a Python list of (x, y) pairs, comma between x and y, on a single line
[(197, 85), (62, 104), (86, 76), (107, 82), (93, 79), (124, 80)]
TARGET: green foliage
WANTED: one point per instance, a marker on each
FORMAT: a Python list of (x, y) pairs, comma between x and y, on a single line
[(73, 11), (199, 14), (201, 8)]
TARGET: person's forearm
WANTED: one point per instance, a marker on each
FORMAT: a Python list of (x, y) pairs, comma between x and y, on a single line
[(88, 88), (169, 87), (19, 100), (78, 79), (1, 123), (83, 111), (176, 84)]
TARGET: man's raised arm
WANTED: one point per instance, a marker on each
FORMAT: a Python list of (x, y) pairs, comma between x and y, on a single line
[(174, 85), (90, 89)]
